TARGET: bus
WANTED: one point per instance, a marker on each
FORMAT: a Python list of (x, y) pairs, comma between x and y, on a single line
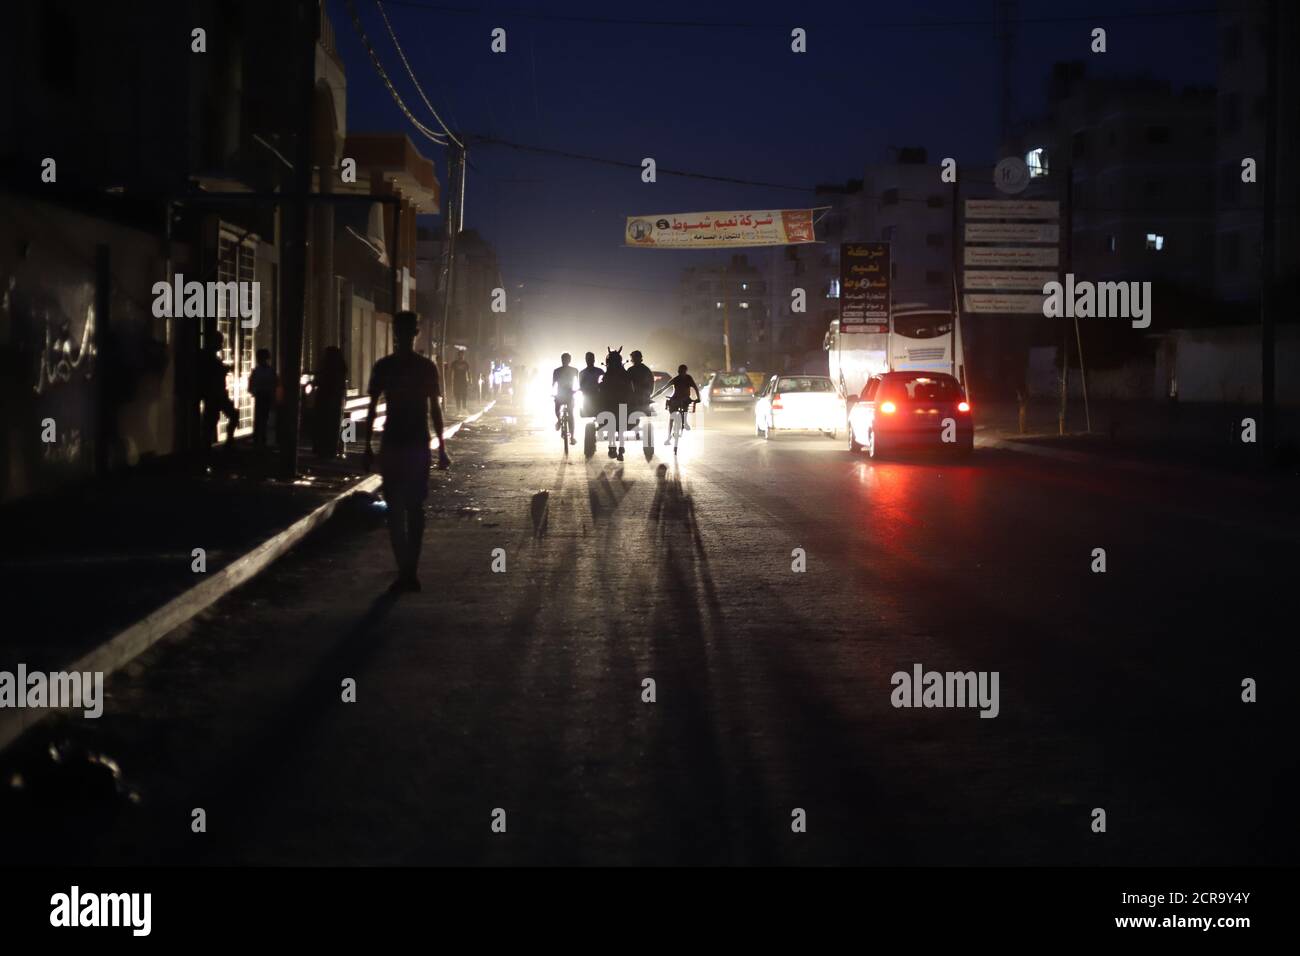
[(919, 337)]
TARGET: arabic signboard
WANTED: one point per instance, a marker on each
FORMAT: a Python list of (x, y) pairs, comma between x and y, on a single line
[(1039, 232), (984, 279), (1012, 209), (1002, 302), (984, 256), (864, 283), (711, 230)]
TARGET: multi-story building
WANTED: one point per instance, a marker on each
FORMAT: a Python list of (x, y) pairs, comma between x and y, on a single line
[(906, 203), (1132, 162), (170, 153), (733, 295), (1243, 113)]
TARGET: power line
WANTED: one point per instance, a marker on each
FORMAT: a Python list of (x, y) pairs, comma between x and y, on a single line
[(411, 73), (383, 75), (565, 154), (920, 24)]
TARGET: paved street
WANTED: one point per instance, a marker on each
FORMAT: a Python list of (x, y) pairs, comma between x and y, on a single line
[(522, 690)]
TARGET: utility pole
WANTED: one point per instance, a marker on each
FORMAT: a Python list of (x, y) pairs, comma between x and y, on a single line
[(293, 251), (1267, 294), (726, 320), (455, 218)]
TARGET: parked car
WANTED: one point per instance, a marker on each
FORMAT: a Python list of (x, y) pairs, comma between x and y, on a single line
[(798, 403), (899, 410), (727, 390)]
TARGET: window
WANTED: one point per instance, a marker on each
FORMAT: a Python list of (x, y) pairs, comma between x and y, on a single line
[(1036, 160), (1155, 241), (923, 325), (834, 293), (805, 383)]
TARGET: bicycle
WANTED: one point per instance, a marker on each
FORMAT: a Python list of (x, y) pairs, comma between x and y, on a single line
[(677, 423), (566, 426)]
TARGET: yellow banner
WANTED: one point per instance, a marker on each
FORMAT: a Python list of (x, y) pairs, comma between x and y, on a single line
[(712, 230)]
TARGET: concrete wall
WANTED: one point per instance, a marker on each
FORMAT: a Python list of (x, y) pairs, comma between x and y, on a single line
[(59, 360)]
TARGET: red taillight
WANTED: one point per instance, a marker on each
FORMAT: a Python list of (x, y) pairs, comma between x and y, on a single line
[(749, 389), (776, 400), (888, 408), (963, 406)]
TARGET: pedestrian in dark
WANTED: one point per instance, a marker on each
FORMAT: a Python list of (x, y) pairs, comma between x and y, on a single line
[(460, 380), (409, 383), (331, 390), (213, 394), (262, 381)]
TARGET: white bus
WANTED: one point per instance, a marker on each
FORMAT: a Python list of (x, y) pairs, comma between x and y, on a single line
[(923, 338), (854, 357), (920, 338)]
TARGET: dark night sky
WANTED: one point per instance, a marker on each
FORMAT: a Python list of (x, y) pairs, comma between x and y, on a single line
[(725, 98)]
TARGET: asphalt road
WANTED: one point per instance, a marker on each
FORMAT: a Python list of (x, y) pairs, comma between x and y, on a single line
[(523, 689)]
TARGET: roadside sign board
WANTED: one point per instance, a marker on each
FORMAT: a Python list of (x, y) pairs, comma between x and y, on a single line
[(864, 283), (1035, 232), (1013, 209), (1002, 302)]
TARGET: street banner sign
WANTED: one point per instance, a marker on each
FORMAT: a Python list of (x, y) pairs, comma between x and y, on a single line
[(984, 256), (864, 283), (1002, 302), (713, 230), (1013, 209), (1039, 232), (985, 279)]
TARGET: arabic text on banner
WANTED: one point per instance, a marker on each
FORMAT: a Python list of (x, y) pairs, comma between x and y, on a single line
[(864, 282), (710, 230)]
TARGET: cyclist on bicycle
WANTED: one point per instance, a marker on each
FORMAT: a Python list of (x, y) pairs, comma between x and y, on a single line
[(564, 382), (680, 399)]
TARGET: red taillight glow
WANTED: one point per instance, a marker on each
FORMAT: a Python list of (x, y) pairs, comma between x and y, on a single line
[(963, 406), (776, 401), (888, 408)]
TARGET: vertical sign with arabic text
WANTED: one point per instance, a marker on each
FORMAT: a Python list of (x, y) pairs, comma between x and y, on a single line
[(864, 286)]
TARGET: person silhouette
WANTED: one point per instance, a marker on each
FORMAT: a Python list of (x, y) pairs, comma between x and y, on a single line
[(410, 385)]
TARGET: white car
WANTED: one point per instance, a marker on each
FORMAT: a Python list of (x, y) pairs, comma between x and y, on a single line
[(798, 403)]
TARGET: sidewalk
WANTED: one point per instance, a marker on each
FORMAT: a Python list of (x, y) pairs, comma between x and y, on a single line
[(91, 562), (1141, 434)]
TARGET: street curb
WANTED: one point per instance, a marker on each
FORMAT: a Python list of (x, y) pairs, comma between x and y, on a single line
[(130, 643), (1084, 458)]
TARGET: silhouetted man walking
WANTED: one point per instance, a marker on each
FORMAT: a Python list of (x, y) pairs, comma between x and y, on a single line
[(410, 385)]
